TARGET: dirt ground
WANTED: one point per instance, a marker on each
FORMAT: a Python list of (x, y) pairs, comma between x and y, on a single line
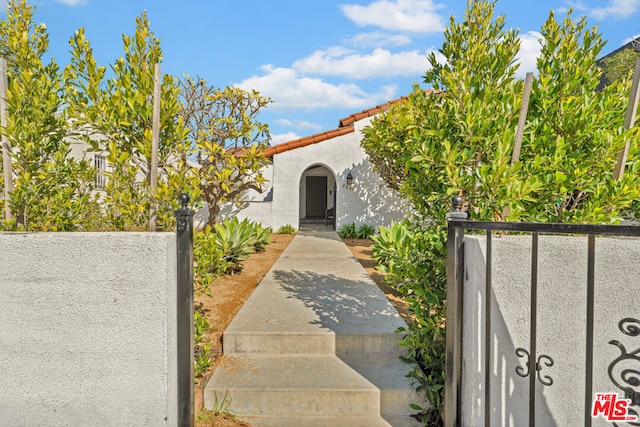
[(229, 293)]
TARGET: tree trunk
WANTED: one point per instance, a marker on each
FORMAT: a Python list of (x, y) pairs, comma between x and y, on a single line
[(214, 211)]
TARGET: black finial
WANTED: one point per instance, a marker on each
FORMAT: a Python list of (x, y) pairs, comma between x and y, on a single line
[(456, 202), (184, 200), (457, 213)]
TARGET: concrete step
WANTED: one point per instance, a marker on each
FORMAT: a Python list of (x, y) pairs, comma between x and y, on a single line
[(238, 343), (376, 357), (370, 346), (403, 421), (277, 387), (397, 389), (341, 421), (315, 345)]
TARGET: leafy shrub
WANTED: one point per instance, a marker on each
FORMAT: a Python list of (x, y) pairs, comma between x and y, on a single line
[(562, 174), (415, 260), (348, 231), (365, 231), (202, 349), (287, 229), (209, 262), (351, 231)]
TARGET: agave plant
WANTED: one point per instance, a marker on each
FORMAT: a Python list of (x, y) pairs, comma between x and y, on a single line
[(235, 239), (262, 235)]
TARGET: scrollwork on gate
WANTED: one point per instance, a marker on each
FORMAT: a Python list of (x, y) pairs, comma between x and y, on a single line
[(522, 372), (627, 366)]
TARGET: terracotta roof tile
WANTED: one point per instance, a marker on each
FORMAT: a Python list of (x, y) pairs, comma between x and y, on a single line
[(307, 140), (346, 126), (348, 121)]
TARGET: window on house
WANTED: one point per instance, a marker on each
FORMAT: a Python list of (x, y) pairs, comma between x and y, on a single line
[(100, 163)]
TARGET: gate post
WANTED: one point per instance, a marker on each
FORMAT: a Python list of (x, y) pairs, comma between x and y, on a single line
[(184, 297), (453, 333)]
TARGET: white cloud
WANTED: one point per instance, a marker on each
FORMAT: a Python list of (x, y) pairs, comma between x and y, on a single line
[(415, 16), (279, 138), (378, 39), (529, 52), (289, 89), (338, 61), (617, 9), (580, 6), (72, 2), (299, 124)]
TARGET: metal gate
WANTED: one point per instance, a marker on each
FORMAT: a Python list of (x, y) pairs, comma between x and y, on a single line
[(533, 367)]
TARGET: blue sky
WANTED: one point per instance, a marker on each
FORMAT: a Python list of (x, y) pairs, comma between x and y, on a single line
[(319, 61)]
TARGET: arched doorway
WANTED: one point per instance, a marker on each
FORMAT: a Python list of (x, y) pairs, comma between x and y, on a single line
[(318, 195)]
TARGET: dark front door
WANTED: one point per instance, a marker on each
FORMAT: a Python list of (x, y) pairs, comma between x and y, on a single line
[(316, 196)]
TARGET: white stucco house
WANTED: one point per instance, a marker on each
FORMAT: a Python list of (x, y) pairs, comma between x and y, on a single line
[(307, 179)]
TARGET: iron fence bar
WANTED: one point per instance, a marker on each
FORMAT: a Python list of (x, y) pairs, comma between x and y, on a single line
[(454, 304), (487, 334), (533, 331), (184, 297), (588, 394), (459, 318), (453, 334), (551, 228), (451, 385)]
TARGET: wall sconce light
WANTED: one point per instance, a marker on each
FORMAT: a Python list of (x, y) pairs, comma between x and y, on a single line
[(349, 179)]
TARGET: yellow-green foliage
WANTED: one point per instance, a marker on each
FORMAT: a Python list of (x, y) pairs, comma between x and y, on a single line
[(115, 116), (51, 190), (286, 229), (202, 350), (226, 139), (458, 140), (113, 113)]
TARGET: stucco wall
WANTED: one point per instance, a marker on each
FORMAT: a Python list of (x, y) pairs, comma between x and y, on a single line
[(562, 278), (88, 329), (368, 200), (256, 206)]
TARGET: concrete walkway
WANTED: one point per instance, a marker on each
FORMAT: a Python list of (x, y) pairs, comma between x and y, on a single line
[(314, 345)]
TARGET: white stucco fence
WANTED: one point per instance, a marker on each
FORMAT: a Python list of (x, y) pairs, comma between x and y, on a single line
[(561, 314), (88, 329)]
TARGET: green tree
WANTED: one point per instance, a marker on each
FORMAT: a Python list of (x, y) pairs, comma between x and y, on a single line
[(115, 117), (51, 188), (227, 141), (576, 132), (457, 139)]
